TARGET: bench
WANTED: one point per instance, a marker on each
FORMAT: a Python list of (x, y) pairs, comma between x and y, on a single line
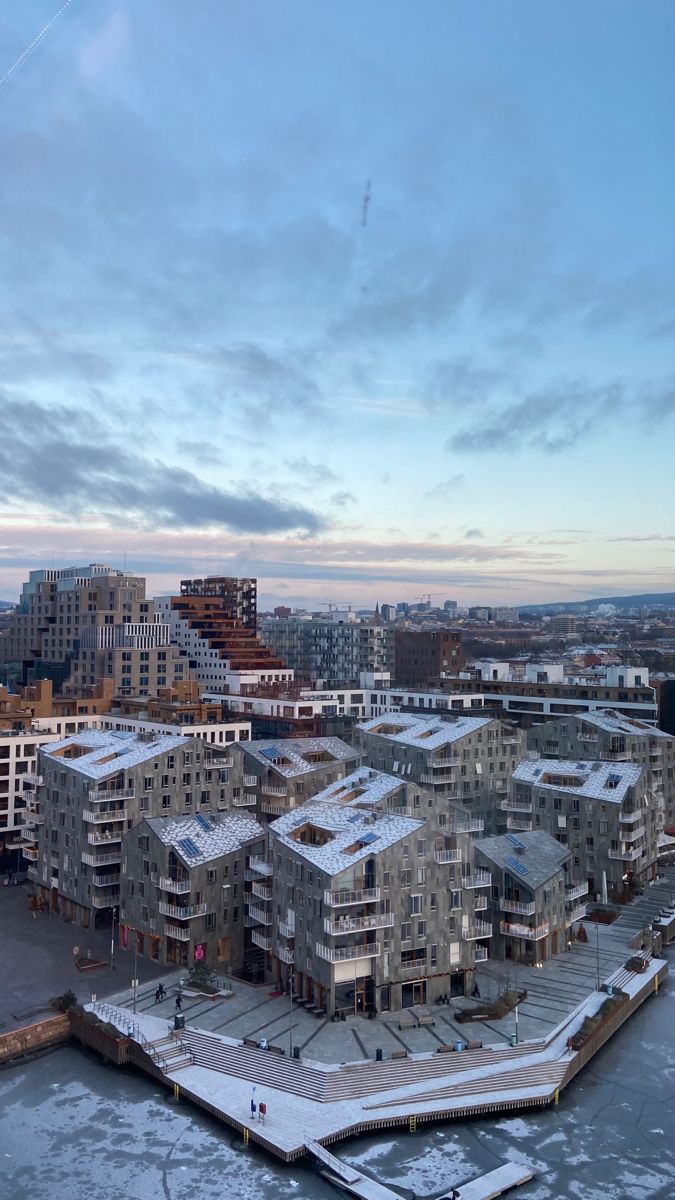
[(407, 1023), (276, 1049), (474, 1045), (445, 1049), (427, 1021), (252, 1045), (399, 1054)]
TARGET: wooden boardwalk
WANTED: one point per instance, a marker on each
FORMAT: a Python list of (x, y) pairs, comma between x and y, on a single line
[(487, 1187)]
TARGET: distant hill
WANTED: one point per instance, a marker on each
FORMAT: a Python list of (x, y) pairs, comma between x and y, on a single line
[(4, 604), (646, 600)]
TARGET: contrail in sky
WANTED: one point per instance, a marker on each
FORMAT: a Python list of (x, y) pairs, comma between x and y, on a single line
[(34, 44)]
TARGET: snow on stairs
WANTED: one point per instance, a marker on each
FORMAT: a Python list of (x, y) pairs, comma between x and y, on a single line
[(547, 1076)]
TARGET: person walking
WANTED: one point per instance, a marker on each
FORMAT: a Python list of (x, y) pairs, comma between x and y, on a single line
[(179, 1003), (162, 993), (157, 996)]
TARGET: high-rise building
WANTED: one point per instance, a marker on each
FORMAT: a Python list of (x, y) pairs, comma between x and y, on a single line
[(329, 649), (422, 655)]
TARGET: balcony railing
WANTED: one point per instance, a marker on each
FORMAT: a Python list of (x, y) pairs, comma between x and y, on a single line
[(179, 886), (444, 776), (477, 880), (519, 806), (30, 852), (260, 865), (98, 818), (575, 890), (248, 800), (479, 929), (530, 933), (262, 890), (346, 925), (576, 914), (261, 915), (480, 954), (118, 794), (102, 860), (98, 839), (447, 856), (107, 900), (272, 789), (472, 825), (286, 929), (336, 954), (418, 967), (273, 810), (357, 896), (30, 835), (263, 940), (110, 880), (179, 932), (251, 781), (625, 855), (518, 823), (32, 779), (629, 818), (524, 908), (480, 904), (182, 912), (285, 954), (633, 835)]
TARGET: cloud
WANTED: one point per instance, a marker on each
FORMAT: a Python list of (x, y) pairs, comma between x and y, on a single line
[(446, 487), (64, 459), (473, 533), (314, 473), (457, 382), (340, 499)]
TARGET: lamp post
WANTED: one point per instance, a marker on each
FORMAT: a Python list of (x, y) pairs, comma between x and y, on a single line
[(597, 951), (291, 982), (112, 940), (135, 982)]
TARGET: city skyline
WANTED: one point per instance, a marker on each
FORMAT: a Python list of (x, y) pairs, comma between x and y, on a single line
[(362, 304)]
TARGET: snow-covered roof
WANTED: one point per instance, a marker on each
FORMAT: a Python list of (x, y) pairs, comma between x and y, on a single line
[(351, 834), (607, 781), (363, 787), (106, 752), (538, 855), (288, 756), (425, 733), (201, 838), (615, 722)]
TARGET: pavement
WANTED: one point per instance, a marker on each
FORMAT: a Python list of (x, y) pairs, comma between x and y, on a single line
[(39, 961)]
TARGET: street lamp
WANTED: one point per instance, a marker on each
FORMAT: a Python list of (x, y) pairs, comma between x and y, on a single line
[(112, 941), (597, 950), (291, 981)]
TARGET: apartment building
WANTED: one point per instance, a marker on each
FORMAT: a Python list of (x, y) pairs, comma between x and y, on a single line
[(534, 900), (368, 906), (281, 774), (81, 624), (423, 655), (464, 759), (613, 737), (213, 621), (604, 812), (91, 788), (332, 651), (182, 887)]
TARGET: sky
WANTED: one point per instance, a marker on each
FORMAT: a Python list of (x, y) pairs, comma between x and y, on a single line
[(369, 299)]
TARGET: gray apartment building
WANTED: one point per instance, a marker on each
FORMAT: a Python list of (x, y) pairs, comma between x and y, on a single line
[(95, 786), (465, 760), (603, 812), (284, 772), (334, 651), (534, 900), (613, 737), (182, 888), (370, 906)]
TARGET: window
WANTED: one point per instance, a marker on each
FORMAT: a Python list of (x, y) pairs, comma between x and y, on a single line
[(455, 899), (434, 956), (433, 901), (421, 929), (386, 879), (406, 931), (210, 920), (416, 904), (406, 879)]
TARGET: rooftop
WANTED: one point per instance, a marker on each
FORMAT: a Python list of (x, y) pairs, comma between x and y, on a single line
[(99, 754), (364, 787), (428, 733), (531, 858), (345, 836), (615, 722), (295, 756), (608, 781), (206, 836)]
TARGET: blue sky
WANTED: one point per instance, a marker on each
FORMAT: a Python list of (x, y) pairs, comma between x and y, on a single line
[(209, 362)]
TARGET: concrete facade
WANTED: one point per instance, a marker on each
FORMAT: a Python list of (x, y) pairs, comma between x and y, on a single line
[(333, 651), (283, 773)]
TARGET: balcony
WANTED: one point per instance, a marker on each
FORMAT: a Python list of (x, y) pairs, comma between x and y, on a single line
[(31, 779), (98, 818), (480, 954), (262, 890), (107, 900), (251, 781), (263, 940), (523, 908), (519, 806), (447, 856), (102, 860), (285, 954), (528, 932), (286, 929), (29, 835), (479, 929), (444, 776), (110, 880), (261, 915), (273, 789), (518, 823), (625, 855), (179, 886), (117, 794), (273, 810), (248, 800), (472, 825), (334, 954), (358, 896), (30, 852), (576, 914), (575, 890), (345, 925), (477, 880), (260, 865), (511, 740), (182, 912), (480, 904), (418, 967), (97, 839), (180, 933), (633, 835)]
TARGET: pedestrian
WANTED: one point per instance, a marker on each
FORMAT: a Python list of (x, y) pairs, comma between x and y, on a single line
[(161, 991), (262, 1111), (252, 1108), (157, 996), (179, 1003)]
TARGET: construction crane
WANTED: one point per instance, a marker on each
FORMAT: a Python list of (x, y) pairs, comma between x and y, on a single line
[(332, 607), (426, 598)]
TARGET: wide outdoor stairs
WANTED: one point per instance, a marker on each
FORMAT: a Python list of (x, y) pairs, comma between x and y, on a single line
[(355, 1080)]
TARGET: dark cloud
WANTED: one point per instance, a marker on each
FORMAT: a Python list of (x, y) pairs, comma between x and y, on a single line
[(340, 499), (64, 459), (473, 534)]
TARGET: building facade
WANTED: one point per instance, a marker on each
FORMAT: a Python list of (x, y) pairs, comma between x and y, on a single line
[(280, 775), (331, 651), (423, 655)]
